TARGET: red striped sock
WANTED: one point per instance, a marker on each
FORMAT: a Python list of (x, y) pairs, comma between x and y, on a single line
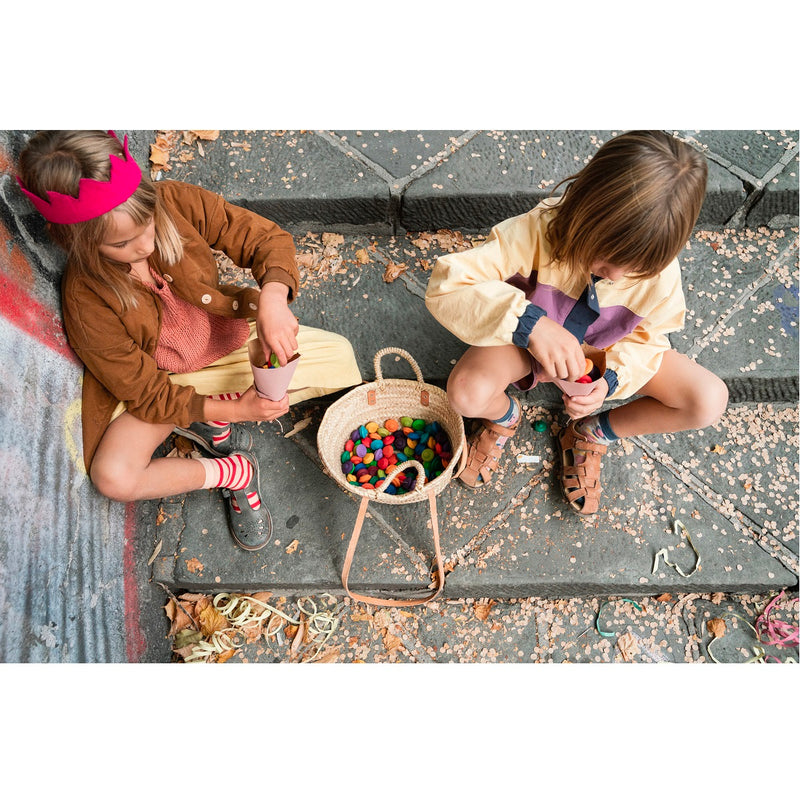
[(224, 427), (232, 472)]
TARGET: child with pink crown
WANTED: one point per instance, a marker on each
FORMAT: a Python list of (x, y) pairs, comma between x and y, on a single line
[(165, 346), (591, 273)]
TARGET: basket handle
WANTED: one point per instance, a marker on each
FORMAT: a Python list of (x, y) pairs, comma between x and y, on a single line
[(397, 351), (351, 549)]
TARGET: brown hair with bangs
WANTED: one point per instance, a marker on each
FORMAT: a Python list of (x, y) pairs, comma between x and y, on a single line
[(634, 205), (56, 161)]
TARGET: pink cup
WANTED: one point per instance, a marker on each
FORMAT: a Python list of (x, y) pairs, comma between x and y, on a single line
[(271, 382)]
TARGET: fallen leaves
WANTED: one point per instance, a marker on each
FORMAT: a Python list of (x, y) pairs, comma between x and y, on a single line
[(169, 143), (292, 547), (716, 627), (452, 241), (212, 628)]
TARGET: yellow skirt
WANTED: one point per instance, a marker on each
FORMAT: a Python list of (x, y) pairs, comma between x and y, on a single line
[(328, 364)]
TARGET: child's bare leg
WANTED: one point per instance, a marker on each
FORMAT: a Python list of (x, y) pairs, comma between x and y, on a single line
[(477, 388), (124, 468), (477, 385), (681, 396)]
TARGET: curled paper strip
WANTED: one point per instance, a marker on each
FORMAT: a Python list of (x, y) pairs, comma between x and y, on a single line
[(664, 552)]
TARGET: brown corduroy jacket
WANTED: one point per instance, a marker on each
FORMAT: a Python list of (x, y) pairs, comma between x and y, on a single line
[(117, 347)]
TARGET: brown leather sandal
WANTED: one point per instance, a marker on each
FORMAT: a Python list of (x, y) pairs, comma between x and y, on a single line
[(580, 481), (483, 452)]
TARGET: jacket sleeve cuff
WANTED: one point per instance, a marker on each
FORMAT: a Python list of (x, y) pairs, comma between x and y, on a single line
[(612, 380), (529, 318), (278, 275)]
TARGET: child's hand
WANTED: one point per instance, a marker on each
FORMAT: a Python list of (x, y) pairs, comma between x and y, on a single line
[(277, 326), (253, 408), (579, 407), (557, 350)]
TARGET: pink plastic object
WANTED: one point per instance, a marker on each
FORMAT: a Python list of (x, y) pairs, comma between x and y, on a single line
[(270, 382), (95, 198)]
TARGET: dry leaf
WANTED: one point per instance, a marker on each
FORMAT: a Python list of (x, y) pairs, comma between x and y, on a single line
[(252, 631), (329, 656), (664, 598), (481, 610), (160, 517), (159, 156), (717, 598), (186, 638), (223, 657), (716, 627), (177, 616), (194, 565), (393, 271), (184, 652), (718, 449), (362, 256), (332, 239), (359, 616), (391, 642), (290, 630), (292, 547), (262, 596), (298, 638), (627, 645), (209, 136), (203, 602), (192, 597), (211, 621)]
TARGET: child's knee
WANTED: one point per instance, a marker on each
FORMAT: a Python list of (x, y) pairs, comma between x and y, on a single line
[(112, 481), (709, 402), (468, 395)]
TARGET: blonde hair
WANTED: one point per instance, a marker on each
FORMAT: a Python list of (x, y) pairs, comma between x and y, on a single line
[(634, 205), (56, 161)]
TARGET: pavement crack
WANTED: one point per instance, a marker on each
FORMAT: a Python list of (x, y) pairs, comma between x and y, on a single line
[(782, 260), (460, 556), (740, 520)]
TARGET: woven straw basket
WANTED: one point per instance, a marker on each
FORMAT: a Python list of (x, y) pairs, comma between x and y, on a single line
[(380, 400)]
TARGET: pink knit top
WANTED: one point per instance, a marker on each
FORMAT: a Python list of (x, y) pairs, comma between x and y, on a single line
[(192, 338)]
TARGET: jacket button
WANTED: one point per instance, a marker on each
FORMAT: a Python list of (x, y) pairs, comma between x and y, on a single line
[(205, 299), (235, 305), (167, 278)]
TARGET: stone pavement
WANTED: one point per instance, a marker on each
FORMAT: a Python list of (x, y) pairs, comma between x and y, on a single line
[(402, 198), (366, 205)]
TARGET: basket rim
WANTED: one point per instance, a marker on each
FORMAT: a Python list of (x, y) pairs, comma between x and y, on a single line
[(327, 425)]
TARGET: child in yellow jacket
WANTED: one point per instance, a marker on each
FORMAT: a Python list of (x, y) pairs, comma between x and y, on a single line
[(591, 273)]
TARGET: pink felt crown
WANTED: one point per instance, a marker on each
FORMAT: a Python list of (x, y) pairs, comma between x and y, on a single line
[(95, 198)]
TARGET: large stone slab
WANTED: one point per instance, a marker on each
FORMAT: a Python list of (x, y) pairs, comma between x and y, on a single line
[(293, 177), (741, 292), (400, 152)]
